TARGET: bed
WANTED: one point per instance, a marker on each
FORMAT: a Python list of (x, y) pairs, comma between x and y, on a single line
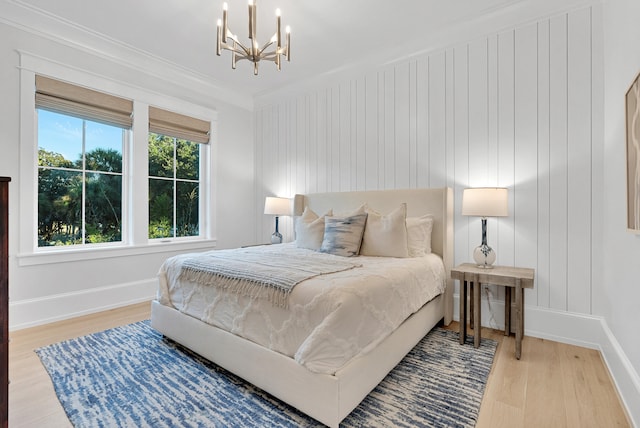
[(308, 377)]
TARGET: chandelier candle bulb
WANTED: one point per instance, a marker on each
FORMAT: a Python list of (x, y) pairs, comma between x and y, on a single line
[(225, 6), (254, 23), (218, 45), (250, 18), (278, 26), (288, 31)]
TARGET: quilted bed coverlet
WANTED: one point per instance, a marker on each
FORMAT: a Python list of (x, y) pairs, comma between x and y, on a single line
[(330, 318)]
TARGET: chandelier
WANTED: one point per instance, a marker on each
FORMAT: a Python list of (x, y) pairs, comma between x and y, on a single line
[(254, 53)]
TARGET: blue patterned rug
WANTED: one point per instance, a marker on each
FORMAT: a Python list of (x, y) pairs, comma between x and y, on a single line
[(131, 376)]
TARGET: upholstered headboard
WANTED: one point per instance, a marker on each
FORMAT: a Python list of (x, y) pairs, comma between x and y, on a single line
[(437, 202)]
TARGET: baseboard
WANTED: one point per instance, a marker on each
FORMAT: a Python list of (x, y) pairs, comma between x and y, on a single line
[(58, 307), (575, 329), (624, 376)]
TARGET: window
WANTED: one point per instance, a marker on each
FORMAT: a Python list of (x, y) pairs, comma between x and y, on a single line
[(81, 136), (99, 187), (174, 173), (79, 180), (174, 187)]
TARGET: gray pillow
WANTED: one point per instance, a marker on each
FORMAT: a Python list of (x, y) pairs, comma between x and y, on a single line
[(343, 235)]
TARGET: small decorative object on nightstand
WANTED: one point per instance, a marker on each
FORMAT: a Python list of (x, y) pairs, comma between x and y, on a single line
[(485, 202), (508, 277), (277, 207)]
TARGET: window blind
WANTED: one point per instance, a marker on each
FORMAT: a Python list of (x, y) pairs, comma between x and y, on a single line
[(178, 125), (62, 97)]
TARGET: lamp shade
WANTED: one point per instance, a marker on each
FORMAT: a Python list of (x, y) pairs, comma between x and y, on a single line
[(485, 202), (277, 206)]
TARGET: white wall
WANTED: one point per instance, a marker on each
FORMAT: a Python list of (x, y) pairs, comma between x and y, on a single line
[(45, 292), (620, 291), (521, 108)]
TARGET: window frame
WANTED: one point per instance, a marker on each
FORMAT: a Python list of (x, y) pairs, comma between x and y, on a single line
[(85, 172), (135, 156), (175, 180)]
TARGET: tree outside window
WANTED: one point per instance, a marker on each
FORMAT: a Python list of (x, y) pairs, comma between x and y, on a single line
[(79, 180), (174, 185)]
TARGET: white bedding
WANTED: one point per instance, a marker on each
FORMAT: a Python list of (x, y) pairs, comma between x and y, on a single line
[(331, 318)]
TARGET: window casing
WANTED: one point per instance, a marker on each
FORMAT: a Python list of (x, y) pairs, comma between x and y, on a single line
[(135, 218)]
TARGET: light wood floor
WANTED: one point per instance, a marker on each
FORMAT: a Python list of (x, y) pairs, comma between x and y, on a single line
[(553, 385)]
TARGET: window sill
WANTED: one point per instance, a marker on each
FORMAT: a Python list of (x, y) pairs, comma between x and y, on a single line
[(75, 255)]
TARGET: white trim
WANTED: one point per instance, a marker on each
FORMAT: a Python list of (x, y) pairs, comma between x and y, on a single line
[(623, 374), (65, 72), (25, 17), (587, 331), (33, 312), (74, 255), (210, 184)]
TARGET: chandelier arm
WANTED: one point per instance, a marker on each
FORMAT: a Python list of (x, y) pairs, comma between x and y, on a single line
[(269, 56), (237, 51), (264, 47), (272, 54), (244, 51)]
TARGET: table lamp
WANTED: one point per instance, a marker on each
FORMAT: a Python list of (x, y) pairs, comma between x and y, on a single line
[(277, 206), (485, 202)]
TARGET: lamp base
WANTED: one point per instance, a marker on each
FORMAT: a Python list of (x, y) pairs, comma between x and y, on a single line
[(484, 256), (276, 238)]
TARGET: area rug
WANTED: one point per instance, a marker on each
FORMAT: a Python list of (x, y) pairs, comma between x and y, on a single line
[(131, 376)]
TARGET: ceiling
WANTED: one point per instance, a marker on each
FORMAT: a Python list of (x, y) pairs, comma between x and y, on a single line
[(326, 35)]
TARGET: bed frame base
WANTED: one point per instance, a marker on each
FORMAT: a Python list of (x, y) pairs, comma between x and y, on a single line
[(326, 398)]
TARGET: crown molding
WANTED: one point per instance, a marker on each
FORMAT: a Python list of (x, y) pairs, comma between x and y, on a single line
[(42, 24)]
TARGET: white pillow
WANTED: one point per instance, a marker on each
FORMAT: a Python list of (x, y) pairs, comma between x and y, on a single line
[(386, 235), (360, 210), (310, 229), (419, 235)]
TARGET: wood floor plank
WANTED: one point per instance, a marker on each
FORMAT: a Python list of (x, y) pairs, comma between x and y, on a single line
[(553, 384), (544, 388)]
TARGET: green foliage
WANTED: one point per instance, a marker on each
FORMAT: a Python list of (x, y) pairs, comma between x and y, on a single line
[(61, 186), (187, 159), (160, 229), (46, 158), (107, 160), (60, 199), (161, 187), (160, 155)]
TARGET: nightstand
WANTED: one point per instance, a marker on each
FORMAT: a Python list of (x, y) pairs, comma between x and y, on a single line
[(471, 275)]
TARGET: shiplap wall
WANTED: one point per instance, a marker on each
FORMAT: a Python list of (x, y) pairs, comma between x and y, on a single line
[(520, 109)]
